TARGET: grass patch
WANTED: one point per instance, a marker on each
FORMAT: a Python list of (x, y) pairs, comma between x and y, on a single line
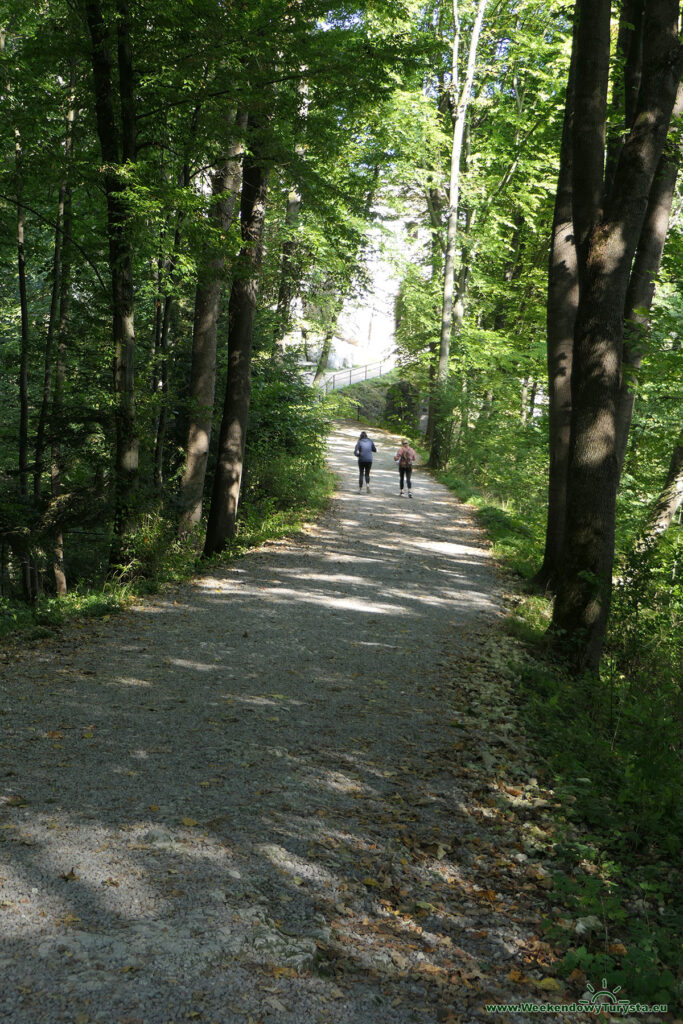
[(513, 539), (618, 835)]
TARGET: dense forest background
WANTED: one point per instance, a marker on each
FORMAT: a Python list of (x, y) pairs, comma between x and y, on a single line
[(189, 195)]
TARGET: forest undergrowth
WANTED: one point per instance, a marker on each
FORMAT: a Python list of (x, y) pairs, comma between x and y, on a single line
[(610, 745), (287, 484)]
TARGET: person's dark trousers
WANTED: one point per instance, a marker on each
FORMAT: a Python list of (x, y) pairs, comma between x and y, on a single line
[(406, 471), (363, 467)]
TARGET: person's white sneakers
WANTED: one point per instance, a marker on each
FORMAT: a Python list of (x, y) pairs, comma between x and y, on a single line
[(400, 494), (367, 488), (410, 494)]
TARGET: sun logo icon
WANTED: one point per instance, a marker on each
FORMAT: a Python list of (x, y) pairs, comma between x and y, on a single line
[(595, 998)]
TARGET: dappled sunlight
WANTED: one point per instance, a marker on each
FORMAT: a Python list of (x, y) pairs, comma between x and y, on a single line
[(297, 867), (196, 666), (344, 783), (334, 556), (275, 701), (364, 605), (445, 548), (601, 448), (241, 773), (319, 577)]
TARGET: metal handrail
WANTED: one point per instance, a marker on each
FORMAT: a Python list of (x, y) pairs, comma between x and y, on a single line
[(342, 378)]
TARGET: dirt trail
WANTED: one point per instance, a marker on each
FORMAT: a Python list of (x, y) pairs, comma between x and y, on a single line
[(271, 795)]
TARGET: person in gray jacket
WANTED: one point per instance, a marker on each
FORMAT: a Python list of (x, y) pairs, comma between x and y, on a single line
[(363, 452)]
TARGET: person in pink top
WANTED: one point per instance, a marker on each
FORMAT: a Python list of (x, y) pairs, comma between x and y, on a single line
[(405, 456)]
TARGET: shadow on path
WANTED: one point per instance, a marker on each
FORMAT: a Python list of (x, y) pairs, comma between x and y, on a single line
[(246, 800)]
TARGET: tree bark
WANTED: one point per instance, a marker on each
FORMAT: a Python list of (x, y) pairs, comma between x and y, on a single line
[(324, 355), (225, 183), (590, 119), (23, 307), (627, 85), (563, 300), (56, 467), (115, 151), (54, 308), (162, 349), (607, 245), (438, 451), (668, 502), (222, 523), (23, 547), (288, 267), (643, 276)]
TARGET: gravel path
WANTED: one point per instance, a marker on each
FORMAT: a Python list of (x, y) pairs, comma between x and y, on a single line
[(265, 797)]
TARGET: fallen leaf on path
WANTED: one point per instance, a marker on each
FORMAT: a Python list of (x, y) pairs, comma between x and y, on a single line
[(550, 985), (276, 1004)]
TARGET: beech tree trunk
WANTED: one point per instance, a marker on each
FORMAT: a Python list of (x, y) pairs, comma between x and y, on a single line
[(643, 277), (288, 267), (162, 349), (441, 423), (118, 146), (607, 243), (324, 356), (225, 183), (625, 92), (563, 300), (23, 543), (23, 308), (222, 523), (56, 467), (52, 323), (668, 502)]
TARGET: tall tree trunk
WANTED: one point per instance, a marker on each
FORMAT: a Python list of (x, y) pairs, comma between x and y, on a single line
[(435, 206), (288, 267), (24, 546), (228, 476), (54, 307), (162, 352), (438, 452), (643, 276), (165, 309), (114, 152), (627, 84), (607, 245), (225, 183), (563, 300), (56, 467), (324, 355), (23, 307)]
